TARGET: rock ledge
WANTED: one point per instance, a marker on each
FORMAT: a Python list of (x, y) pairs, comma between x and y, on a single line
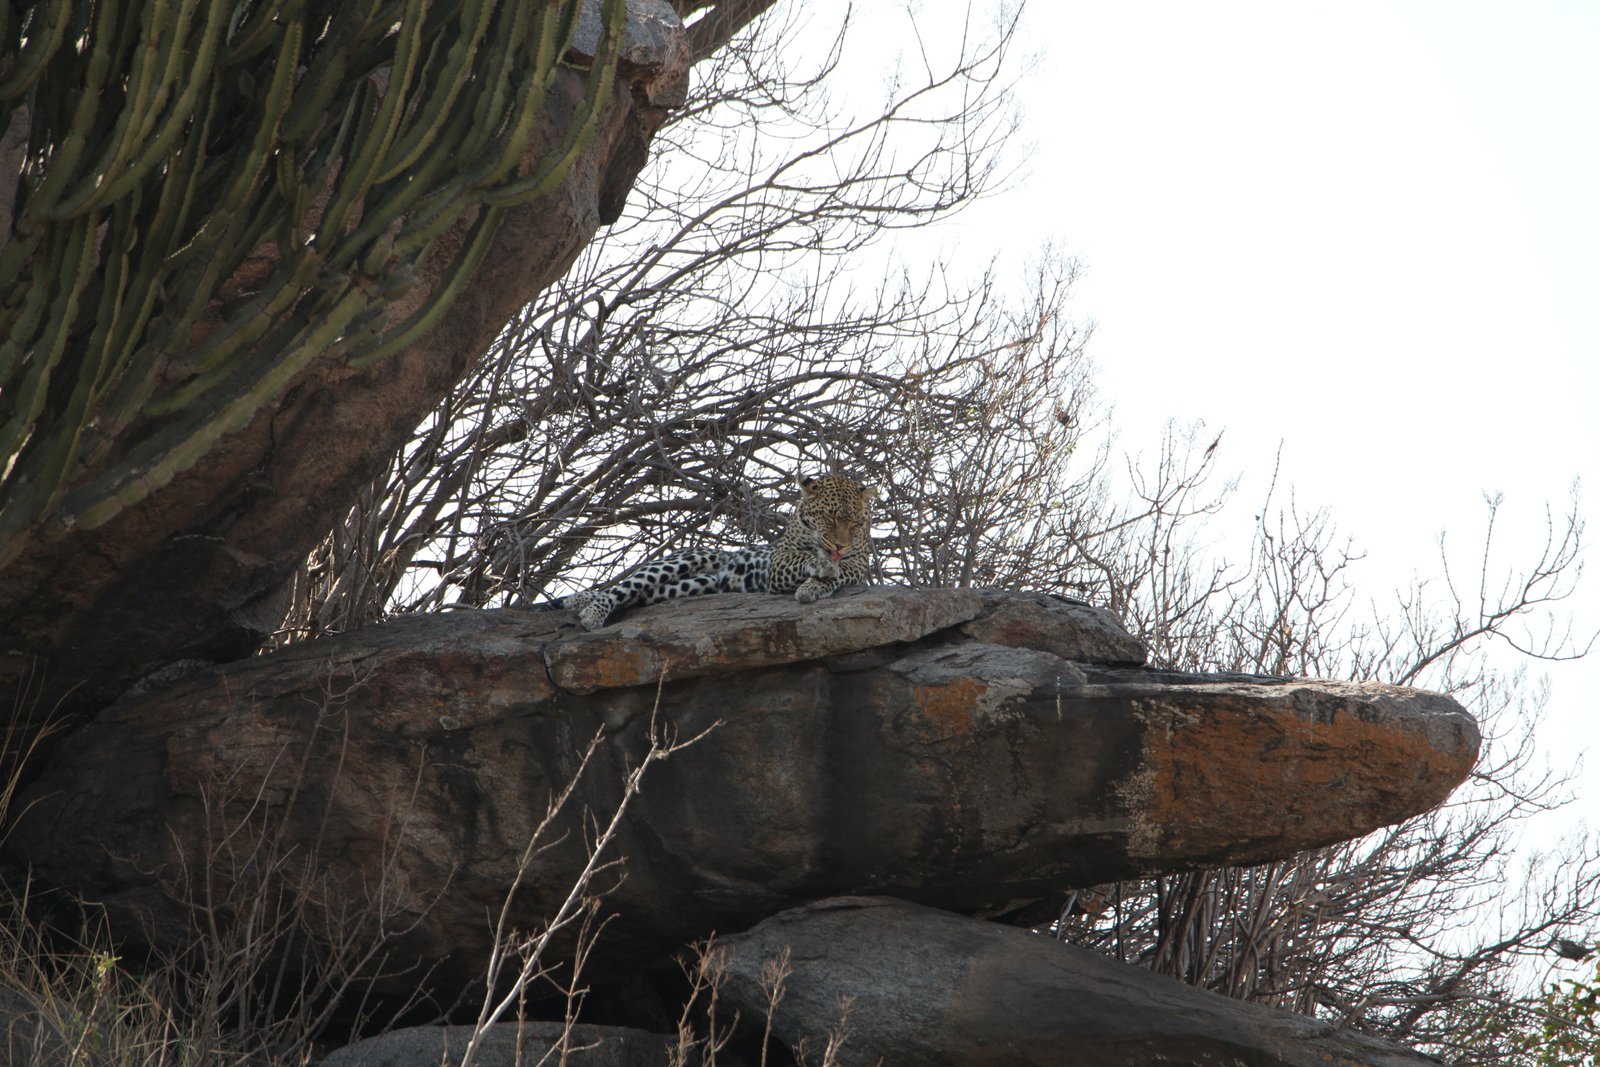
[(937, 747)]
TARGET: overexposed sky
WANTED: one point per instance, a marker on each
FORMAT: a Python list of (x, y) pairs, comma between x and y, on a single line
[(1368, 231), (1352, 228)]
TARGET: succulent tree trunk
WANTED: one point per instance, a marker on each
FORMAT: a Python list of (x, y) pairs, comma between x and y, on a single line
[(249, 246)]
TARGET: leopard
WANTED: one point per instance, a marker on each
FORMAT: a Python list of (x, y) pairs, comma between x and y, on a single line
[(826, 543)]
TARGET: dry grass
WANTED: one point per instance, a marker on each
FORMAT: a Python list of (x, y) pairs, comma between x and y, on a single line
[(272, 954)]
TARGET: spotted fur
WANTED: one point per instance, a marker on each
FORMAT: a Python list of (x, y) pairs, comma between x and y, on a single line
[(826, 544)]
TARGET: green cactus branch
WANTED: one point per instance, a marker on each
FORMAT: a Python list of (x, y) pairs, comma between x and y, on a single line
[(171, 144)]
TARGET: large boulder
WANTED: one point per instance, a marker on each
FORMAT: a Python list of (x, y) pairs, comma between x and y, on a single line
[(510, 1045), (413, 760), (924, 988)]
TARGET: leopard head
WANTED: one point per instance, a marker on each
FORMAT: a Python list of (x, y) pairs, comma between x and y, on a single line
[(836, 509)]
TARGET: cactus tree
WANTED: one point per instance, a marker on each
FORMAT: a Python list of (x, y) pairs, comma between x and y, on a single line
[(205, 195)]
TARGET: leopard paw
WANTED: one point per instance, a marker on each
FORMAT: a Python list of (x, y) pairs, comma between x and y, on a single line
[(811, 591), (593, 611)]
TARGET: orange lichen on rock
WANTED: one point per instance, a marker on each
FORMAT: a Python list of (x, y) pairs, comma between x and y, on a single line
[(1249, 748), (946, 712)]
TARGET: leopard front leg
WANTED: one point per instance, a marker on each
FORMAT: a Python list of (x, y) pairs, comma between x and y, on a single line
[(594, 608), (822, 578), (853, 569)]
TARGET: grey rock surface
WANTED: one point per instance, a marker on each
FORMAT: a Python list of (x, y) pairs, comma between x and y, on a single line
[(706, 635), (418, 756), (927, 988), (1068, 628), (509, 1045), (31, 1035), (652, 40)]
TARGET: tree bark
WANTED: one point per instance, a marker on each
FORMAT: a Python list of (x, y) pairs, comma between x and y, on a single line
[(195, 570)]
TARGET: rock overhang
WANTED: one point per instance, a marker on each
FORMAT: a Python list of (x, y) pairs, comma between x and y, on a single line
[(935, 745)]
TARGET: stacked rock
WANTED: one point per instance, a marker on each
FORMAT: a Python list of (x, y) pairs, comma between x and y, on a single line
[(874, 780)]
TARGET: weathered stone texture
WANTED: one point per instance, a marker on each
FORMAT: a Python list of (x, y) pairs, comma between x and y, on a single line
[(973, 777), (1068, 628), (927, 988), (719, 634), (585, 1046)]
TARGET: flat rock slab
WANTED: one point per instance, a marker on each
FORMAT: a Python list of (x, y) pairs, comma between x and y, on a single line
[(510, 1045), (418, 756), (704, 635), (927, 988), (1067, 628)]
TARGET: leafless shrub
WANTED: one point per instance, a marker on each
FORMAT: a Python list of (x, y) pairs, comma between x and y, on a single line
[(713, 339), (507, 991), (702, 1034), (276, 942), (703, 1031), (1400, 932)]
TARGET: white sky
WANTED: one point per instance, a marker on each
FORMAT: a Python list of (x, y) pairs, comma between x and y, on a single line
[(1367, 230)]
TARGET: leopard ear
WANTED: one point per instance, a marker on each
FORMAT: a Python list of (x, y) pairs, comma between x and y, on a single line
[(806, 483), (868, 493)]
